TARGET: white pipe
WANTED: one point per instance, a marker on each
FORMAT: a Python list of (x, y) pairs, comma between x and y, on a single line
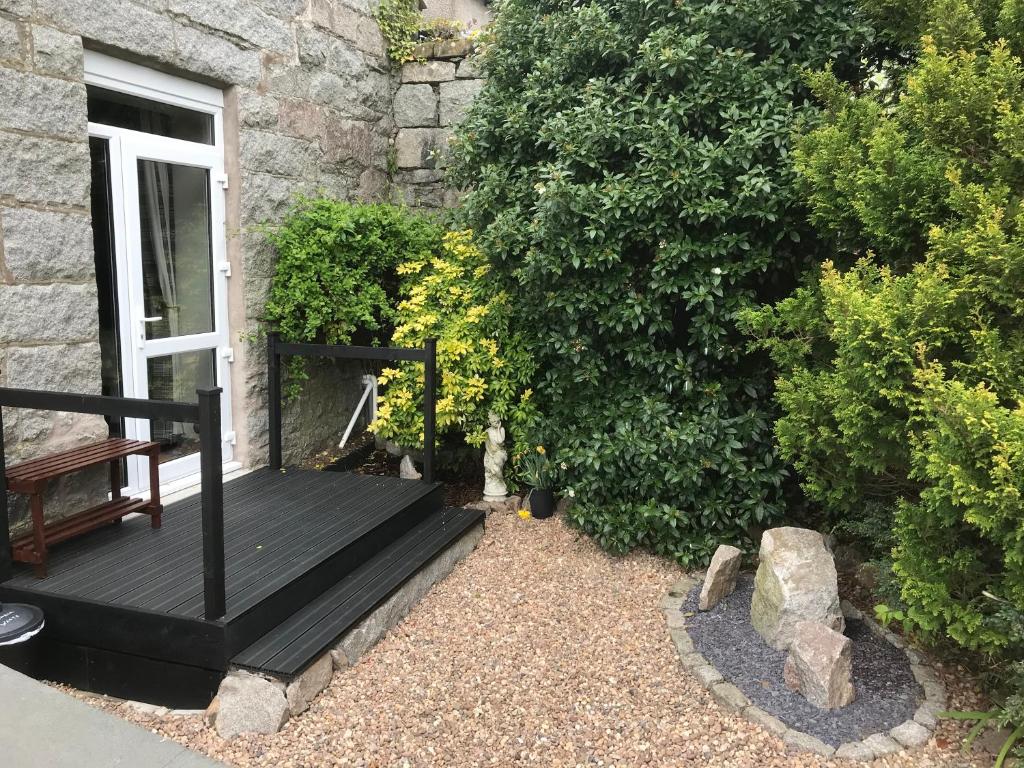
[(369, 386)]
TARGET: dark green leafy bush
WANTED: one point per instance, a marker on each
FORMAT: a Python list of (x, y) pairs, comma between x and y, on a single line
[(632, 184), (335, 279), (335, 276)]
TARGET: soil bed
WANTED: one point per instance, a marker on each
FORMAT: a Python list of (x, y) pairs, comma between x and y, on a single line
[(887, 693)]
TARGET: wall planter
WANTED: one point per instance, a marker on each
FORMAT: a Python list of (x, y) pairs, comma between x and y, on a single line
[(542, 503)]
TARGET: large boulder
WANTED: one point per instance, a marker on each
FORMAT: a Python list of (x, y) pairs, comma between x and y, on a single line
[(303, 689), (249, 704), (819, 665), (720, 580), (796, 581)]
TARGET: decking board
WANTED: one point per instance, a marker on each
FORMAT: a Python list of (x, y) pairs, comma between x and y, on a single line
[(307, 554), (301, 513)]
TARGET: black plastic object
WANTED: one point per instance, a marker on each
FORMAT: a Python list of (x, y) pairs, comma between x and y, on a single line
[(19, 622)]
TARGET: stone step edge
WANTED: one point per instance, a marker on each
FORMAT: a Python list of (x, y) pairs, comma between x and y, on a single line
[(907, 735)]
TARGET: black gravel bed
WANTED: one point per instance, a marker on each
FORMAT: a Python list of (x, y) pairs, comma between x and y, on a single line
[(887, 693)]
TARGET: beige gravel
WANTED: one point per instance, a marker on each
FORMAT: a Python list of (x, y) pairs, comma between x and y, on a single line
[(538, 650)]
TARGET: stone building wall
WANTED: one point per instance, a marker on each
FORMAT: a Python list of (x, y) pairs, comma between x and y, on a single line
[(473, 14), (432, 96), (308, 106)]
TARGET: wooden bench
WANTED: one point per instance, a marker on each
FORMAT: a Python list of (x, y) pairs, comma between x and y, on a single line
[(31, 478)]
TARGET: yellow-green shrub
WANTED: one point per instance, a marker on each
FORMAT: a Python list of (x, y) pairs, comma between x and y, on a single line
[(481, 364)]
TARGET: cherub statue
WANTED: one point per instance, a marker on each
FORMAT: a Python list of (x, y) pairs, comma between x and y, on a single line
[(495, 457)]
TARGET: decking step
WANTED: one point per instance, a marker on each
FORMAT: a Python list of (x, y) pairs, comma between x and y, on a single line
[(288, 648)]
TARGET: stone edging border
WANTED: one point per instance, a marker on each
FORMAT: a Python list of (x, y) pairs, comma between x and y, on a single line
[(911, 733)]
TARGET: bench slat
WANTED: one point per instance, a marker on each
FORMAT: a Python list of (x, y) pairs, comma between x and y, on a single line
[(21, 478)]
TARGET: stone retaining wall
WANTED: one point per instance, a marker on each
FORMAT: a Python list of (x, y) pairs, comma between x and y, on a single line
[(432, 96)]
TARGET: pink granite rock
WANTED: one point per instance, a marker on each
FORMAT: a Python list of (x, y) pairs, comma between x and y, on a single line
[(721, 577), (819, 665)]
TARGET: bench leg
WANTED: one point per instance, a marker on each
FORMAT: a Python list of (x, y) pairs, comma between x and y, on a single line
[(115, 484), (115, 479), (154, 488), (38, 533)]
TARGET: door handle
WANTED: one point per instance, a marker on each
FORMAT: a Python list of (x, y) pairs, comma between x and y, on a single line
[(142, 328)]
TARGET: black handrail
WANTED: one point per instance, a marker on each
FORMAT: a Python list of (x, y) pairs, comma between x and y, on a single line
[(276, 349), (205, 413)]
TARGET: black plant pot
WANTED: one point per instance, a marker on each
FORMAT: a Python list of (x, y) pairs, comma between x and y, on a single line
[(542, 503)]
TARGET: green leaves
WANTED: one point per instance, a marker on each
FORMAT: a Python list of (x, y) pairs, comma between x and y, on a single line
[(335, 277), (903, 361), (630, 180)]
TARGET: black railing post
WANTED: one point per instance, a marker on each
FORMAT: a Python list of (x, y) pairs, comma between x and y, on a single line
[(210, 467), (274, 397), (429, 407), (5, 520)]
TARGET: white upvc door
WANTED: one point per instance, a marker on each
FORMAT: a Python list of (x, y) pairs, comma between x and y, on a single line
[(172, 275)]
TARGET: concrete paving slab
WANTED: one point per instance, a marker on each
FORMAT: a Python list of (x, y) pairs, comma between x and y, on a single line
[(40, 726)]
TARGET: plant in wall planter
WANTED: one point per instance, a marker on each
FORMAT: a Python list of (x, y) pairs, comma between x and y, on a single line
[(538, 471)]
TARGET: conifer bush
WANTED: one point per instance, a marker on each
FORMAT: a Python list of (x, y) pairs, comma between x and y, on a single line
[(631, 181), (903, 358)]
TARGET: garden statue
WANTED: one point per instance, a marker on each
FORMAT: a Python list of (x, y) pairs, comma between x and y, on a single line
[(494, 461)]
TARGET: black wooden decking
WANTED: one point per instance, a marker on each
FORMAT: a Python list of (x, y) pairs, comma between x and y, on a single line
[(307, 555)]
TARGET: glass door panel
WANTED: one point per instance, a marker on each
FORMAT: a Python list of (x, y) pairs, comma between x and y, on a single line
[(176, 377), (177, 258), (174, 215)]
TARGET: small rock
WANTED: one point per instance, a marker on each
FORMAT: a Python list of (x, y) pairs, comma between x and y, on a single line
[(992, 739), (694, 659), (867, 576), (729, 696), (304, 688), (808, 743), (795, 581), (880, 744), (720, 581), (855, 750), (250, 704), (850, 611), (681, 640), (927, 715), (910, 734), (819, 666), (153, 710), (675, 619), (682, 587), (340, 659), (770, 723), (707, 675), (848, 558), (407, 470)]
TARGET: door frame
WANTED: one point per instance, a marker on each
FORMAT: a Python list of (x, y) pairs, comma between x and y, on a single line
[(126, 147)]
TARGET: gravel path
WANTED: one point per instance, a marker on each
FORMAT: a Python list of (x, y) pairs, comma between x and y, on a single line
[(538, 650), (887, 693)]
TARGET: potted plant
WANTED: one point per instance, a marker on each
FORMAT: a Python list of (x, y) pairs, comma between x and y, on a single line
[(538, 471)]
